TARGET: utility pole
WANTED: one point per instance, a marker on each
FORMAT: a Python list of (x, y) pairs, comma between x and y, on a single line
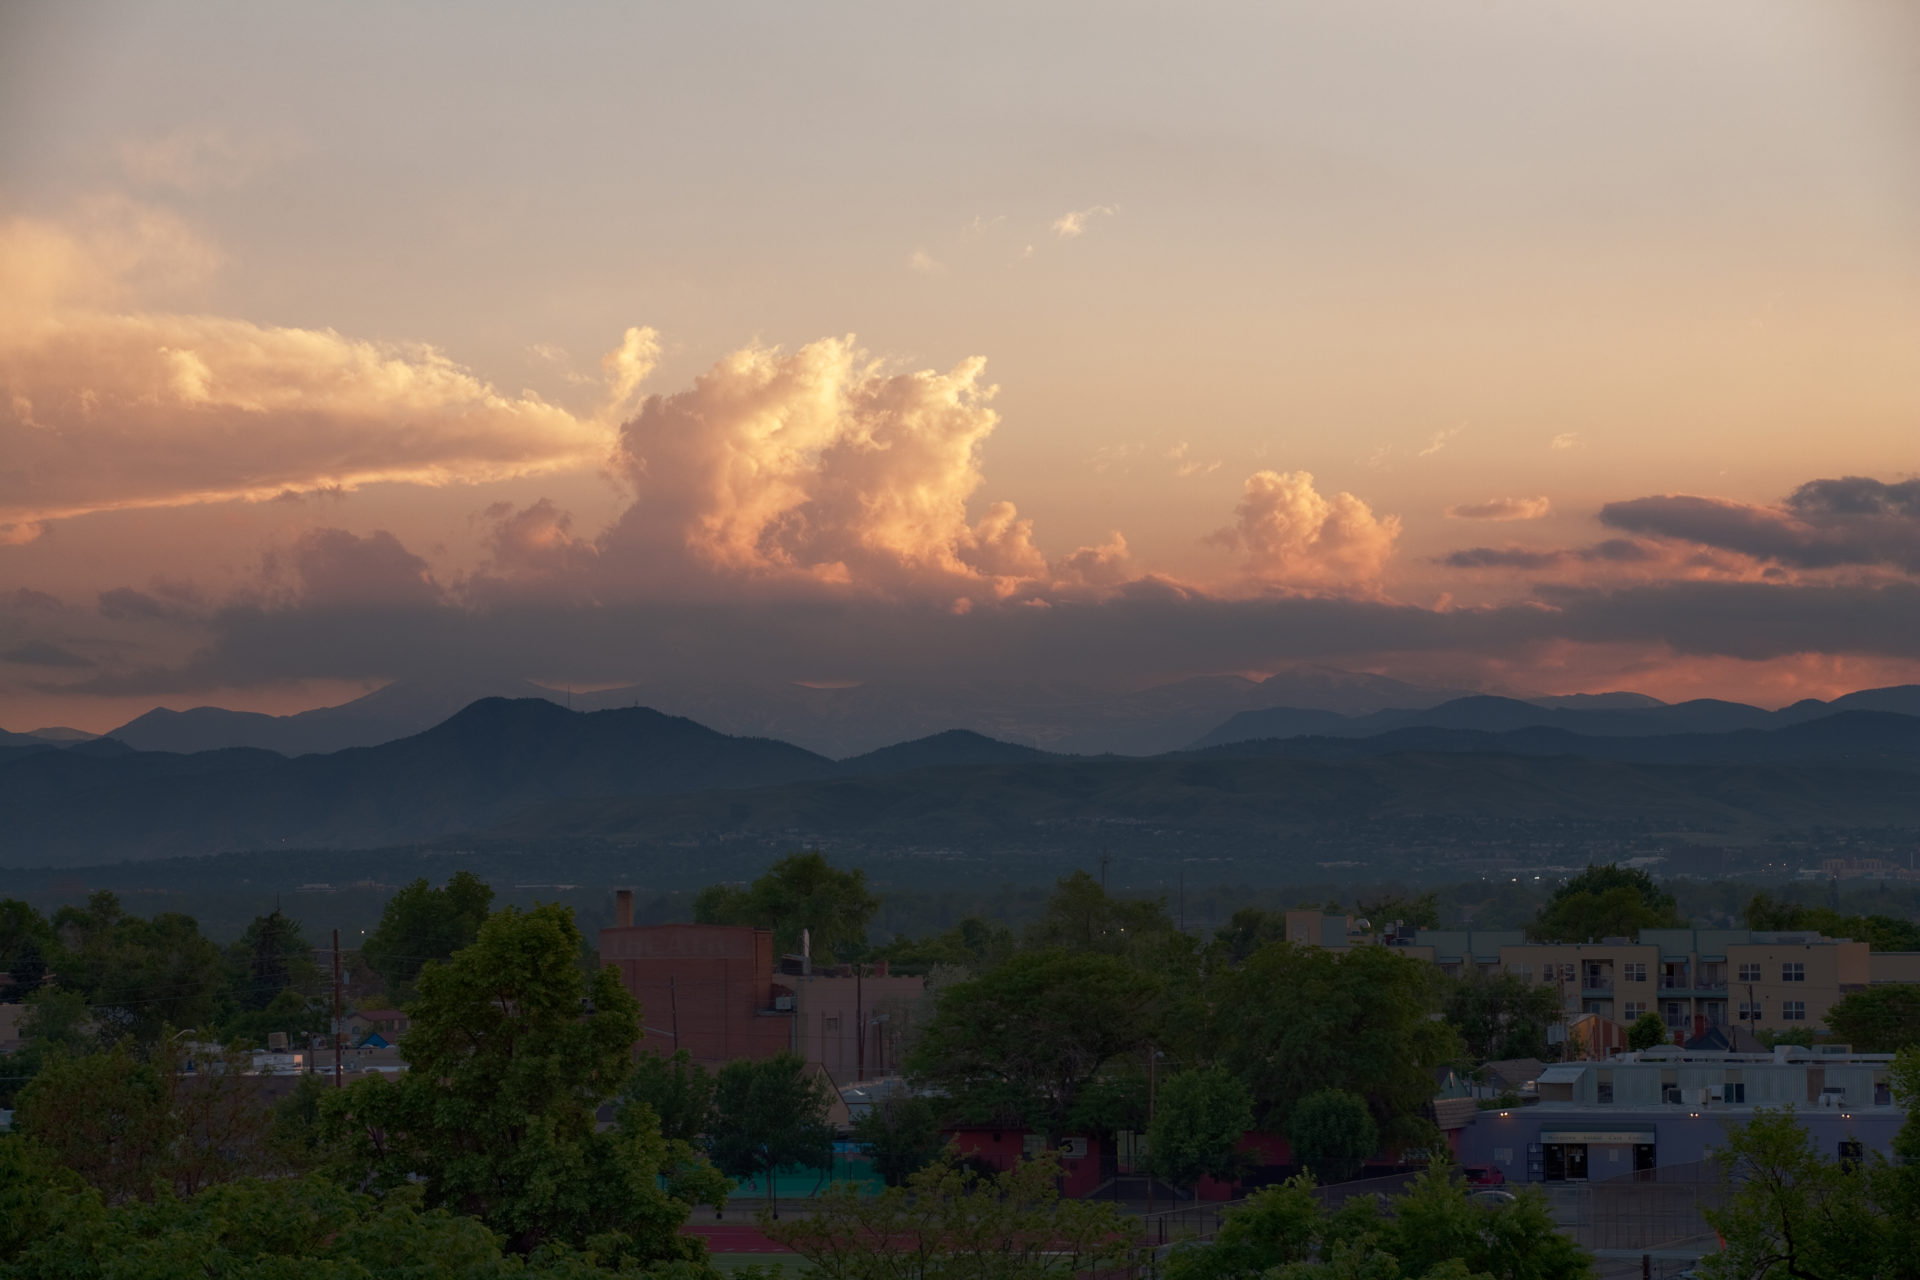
[(860, 1018), (339, 1032), (673, 1006), (1153, 1056), (1105, 858)]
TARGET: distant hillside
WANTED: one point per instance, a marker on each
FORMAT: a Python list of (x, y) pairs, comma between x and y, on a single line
[(956, 746), (1486, 714), (1863, 739), (496, 758), (1245, 804)]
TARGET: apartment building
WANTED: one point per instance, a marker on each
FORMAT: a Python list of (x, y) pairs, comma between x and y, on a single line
[(1693, 979)]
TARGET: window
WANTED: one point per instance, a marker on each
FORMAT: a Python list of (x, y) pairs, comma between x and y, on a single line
[(1524, 972), (830, 1022), (1676, 1014), (1793, 1011), (1749, 1012), (1566, 973), (1793, 971), (1634, 1009), (1750, 973), (1634, 972), (1735, 1093)]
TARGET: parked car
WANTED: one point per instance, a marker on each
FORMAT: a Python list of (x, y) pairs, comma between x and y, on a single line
[(1483, 1175), (1491, 1197)]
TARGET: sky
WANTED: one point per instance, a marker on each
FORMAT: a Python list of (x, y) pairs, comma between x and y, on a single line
[(1535, 347)]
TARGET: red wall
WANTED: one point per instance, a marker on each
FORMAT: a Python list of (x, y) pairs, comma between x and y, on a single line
[(704, 988), (1002, 1147)]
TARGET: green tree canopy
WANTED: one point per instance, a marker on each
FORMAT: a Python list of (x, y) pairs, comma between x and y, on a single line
[(1295, 1020), (1880, 933), (133, 1126), (139, 976), (1021, 1042), (421, 923), (27, 949), (1432, 1231), (1647, 1031), (677, 1090), (800, 891), (1501, 1015), (1332, 1133), (1883, 1019), (901, 1135), (767, 1114), (1199, 1118), (972, 944), (1605, 901), (1792, 1212), (510, 1052), (1080, 915)]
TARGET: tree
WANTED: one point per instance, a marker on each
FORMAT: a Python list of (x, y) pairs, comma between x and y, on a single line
[(510, 1053), (138, 976), (1431, 1231), (950, 1223), (130, 1126), (1791, 1212), (1295, 1020), (1605, 902), (972, 944), (801, 891), (768, 1114), (27, 942), (901, 1135), (1200, 1117), (1080, 915), (1647, 1031), (1245, 932), (244, 1229), (1501, 1015), (1022, 1041), (1332, 1132), (677, 1090), (269, 958), (1880, 933), (421, 923)]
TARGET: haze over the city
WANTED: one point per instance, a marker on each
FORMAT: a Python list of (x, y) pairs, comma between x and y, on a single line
[(1538, 348)]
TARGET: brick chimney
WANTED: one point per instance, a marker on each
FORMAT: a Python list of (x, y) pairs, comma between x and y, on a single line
[(623, 908)]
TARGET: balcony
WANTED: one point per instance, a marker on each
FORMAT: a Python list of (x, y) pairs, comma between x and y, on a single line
[(1596, 985)]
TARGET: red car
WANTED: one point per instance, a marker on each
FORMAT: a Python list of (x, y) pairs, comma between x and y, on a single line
[(1483, 1175)]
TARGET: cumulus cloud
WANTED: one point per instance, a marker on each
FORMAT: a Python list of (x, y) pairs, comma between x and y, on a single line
[(102, 408), (1293, 537), (336, 569), (1072, 224), (821, 464), (1566, 440), (1824, 524), (1441, 439), (1185, 465), (923, 263), (1501, 509)]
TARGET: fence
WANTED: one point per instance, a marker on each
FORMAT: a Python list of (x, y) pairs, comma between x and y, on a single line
[(1648, 1210)]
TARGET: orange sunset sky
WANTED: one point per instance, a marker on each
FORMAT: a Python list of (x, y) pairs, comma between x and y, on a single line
[(1528, 346)]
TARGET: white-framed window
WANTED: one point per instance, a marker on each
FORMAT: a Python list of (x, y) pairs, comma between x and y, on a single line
[(1793, 971), (1634, 971), (1793, 1011), (1524, 972), (1750, 972), (1634, 1009), (1749, 1012), (1566, 973)]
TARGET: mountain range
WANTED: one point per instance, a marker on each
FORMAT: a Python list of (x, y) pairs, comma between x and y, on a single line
[(527, 768)]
